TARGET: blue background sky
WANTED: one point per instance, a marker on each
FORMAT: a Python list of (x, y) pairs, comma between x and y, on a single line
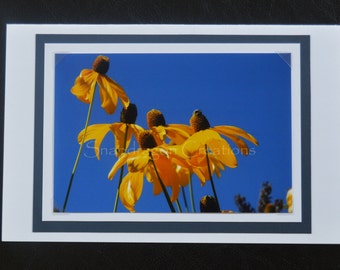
[(250, 91)]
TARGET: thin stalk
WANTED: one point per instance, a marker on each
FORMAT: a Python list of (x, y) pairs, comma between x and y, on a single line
[(178, 206), (192, 195), (79, 152), (185, 199), (121, 169), (211, 179), (166, 194)]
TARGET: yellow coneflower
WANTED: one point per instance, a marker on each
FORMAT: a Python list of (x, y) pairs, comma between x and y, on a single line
[(177, 133), (205, 135), (110, 91), (122, 131), (152, 161)]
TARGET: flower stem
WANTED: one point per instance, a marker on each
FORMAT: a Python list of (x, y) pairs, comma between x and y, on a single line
[(79, 151), (211, 179), (166, 194), (178, 206), (121, 170), (185, 199), (192, 196)]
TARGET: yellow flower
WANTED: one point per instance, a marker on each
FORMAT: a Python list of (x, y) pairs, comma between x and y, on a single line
[(152, 161), (109, 90), (97, 132), (289, 200), (177, 133), (205, 135)]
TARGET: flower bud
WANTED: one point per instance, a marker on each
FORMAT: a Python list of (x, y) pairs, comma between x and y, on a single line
[(208, 204)]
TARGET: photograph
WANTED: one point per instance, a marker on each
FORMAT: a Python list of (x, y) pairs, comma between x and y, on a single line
[(173, 132)]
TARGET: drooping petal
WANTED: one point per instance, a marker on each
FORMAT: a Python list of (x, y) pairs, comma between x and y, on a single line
[(216, 162), (223, 152), (139, 162), (199, 166), (192, 163), (108, 96), (84, 85), (130, 190), (202, 174), (176, 134), (122, 140), (120, 92), (159, 134), (119, 163), (184, 175), (150, 173), (241, 144), (136, 130), (95, 132), (168, 175), (197, 140), (184, 128), (232, 130)]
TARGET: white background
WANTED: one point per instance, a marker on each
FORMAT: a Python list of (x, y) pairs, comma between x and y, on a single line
[(19, 133)]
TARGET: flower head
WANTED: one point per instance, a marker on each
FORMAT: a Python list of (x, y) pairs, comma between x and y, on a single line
[(151, 161), (177, 133), (122, 131), (205, 135), (110, 90)]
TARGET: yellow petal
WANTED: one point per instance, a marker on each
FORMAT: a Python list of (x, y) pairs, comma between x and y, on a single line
[(84, 85), (136, 129), (130, 190), (122, 141), (150, 173), (118, 89), (159, 134), (241, 144), (202, 174), (168, 175), (231, 130), (177, 135), (223, 152), (139, 162), (184, 128), (108, 96), (216, 162), (184, 175), (119, 163), (95, 132), (198, 140)]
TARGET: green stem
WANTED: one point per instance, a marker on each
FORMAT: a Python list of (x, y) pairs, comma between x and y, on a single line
[(192, 195), (211, 179), (178, 206), (79, 152), (166, 194), (121, 170), (185, 199)]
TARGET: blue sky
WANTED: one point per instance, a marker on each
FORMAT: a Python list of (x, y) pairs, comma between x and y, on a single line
[(250, 91)]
